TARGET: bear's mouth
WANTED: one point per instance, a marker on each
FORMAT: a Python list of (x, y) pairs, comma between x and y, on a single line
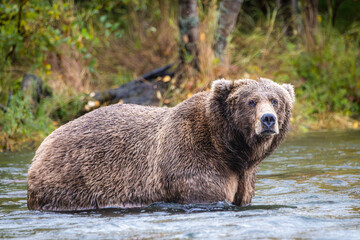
[(268, 132)]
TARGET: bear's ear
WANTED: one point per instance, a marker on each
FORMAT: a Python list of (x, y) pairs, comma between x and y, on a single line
[(221, 88), (291, 91)]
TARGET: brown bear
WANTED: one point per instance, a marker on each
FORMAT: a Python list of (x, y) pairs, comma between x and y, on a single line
[(205, 149)]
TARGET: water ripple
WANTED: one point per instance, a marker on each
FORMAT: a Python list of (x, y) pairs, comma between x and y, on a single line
[(308, 189)]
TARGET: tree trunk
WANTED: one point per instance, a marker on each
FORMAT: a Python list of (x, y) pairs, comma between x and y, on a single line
[(290, 12), (229, 10), (335, 8), (189, 32), (310, 21), (11, 53)]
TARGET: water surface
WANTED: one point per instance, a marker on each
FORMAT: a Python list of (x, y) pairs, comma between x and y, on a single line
[(309, 188)]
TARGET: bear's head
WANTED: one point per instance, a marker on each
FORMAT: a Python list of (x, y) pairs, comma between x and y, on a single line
[(250, 111)]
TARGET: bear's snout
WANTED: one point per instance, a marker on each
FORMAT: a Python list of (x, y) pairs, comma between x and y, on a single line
[(268, 124), (268, 120)]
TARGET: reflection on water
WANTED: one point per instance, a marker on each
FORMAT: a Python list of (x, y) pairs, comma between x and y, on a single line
[(309, 188)]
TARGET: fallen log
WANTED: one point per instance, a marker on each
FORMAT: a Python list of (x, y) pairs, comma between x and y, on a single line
[(144, 90)]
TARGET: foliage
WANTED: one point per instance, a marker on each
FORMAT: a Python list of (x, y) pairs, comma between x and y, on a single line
[(30, 31), (331, 75), (22, 123), (81, 46)]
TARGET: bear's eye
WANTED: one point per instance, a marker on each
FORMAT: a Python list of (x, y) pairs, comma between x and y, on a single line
[(274, 102), (252, 103)]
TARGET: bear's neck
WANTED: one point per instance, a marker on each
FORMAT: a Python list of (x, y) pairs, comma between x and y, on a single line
[(248, 151), (241, 155)]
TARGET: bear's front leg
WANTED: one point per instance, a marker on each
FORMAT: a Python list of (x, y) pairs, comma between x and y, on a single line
[(246, 187)]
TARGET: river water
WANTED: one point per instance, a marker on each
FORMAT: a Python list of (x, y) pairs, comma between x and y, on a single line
[(309, 188)]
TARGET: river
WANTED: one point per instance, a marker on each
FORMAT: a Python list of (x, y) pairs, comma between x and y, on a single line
[(309, 188)]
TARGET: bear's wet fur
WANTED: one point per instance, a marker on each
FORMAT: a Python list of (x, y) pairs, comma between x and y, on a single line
[(205, 149)]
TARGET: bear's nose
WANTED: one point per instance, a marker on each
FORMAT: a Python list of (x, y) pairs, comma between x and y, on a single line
[(268, 120)]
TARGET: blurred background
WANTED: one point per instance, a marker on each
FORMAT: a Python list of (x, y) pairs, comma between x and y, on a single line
[(61, 59)]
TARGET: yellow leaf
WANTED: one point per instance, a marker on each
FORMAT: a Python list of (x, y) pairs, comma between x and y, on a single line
[(319, 18), (97, 104), (91, 105), (158, 94), (356, 124), (189, 95), (166, 79), (202, 37)]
